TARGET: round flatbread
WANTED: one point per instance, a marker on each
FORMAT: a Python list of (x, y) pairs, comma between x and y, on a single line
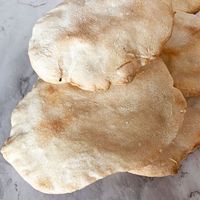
[(92, 44), (64, 138), (181, 53)]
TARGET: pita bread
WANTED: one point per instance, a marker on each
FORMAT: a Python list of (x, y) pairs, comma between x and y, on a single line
[(74, 137), (92, 44), (186, 141), (190, 6), (182, 53)]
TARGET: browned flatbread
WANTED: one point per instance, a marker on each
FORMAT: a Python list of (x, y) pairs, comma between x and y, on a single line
[(93, 44), (186, 141), (64, 138), (181, 54)]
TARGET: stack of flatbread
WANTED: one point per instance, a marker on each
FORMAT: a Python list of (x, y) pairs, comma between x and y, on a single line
[(114, 76)]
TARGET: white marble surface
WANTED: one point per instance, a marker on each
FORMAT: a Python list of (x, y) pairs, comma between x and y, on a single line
[(16, 79)]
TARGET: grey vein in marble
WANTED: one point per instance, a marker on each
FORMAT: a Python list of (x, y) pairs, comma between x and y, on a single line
[(17, 18)]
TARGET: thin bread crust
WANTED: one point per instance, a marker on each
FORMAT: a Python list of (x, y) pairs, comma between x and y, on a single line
[(93, 44), (75, 137)]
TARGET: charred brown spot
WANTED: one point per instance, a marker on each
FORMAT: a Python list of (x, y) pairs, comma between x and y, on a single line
[(197, 145), (175, 169)]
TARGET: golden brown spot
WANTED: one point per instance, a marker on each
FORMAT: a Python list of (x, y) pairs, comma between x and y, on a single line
[(51, 96), (84, 28), (171, 52), (51, 89), (52, 127), (45, 183), (57, 125), (188, 92), (192, 29), (83, 31), (180, 101)]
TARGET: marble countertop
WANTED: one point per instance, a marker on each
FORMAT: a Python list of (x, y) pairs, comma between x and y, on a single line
[(17, 78)]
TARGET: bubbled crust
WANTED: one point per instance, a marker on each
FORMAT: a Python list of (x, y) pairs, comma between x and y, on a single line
[(89, 43)]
